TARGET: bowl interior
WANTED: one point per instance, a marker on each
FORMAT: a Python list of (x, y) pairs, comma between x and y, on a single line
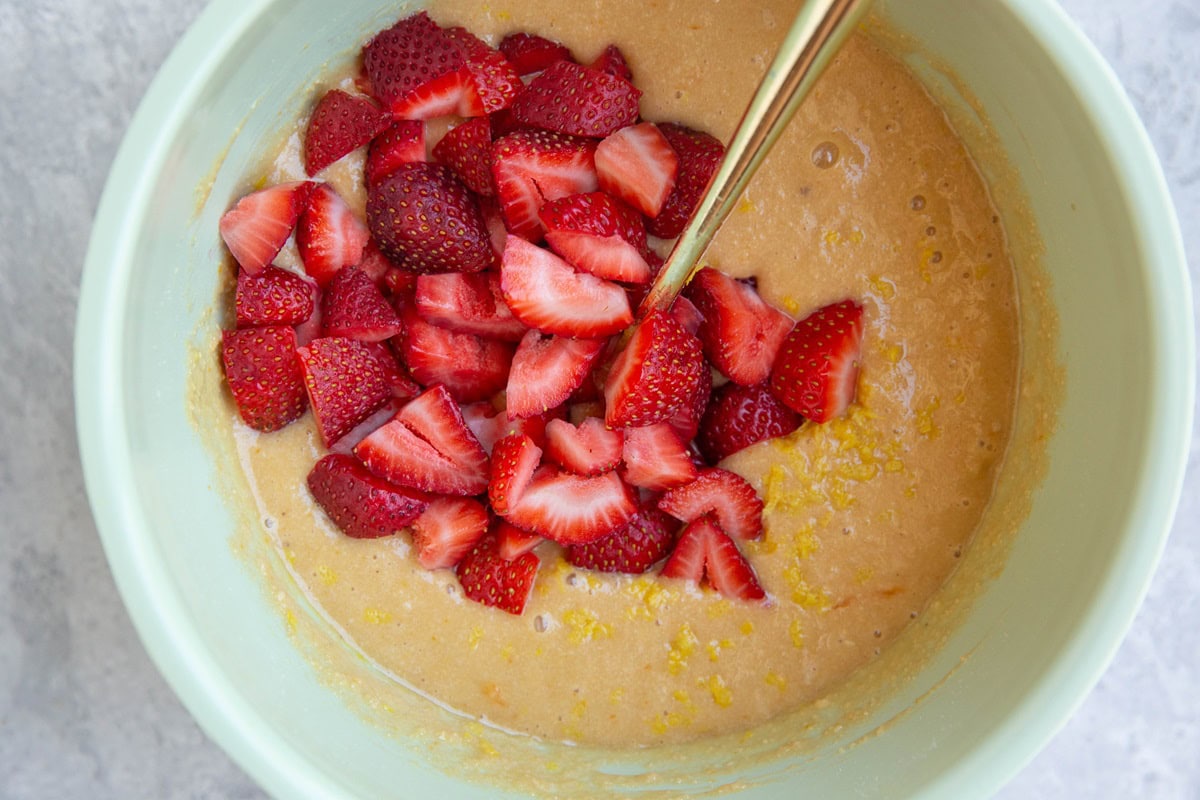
[(1037, 638)]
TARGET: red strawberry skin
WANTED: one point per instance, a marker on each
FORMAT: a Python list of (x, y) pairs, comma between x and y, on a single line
[(739, 416), (423, 216), (346, 381), (655, 374), (597, 234), (572, 509), (447, 529), (816, 369), (514, 460), (705, 551), (340, 124), (726, 495), (699, 156), (740, 331), (532, 167), (264, 375), (467, 149), (547, 370), (642, 542), (329, 236), (409, 64), (402, 143), (613, 61), (256, 228), (468, 303), (360, 504), (489, 579), (272, 297), (495, 80), (577, 100), (529, 53), (353, 306)]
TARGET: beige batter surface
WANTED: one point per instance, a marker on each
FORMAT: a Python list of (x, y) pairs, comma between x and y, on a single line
[(869, 195)]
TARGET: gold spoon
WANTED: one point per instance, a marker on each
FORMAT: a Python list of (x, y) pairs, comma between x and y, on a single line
[(820, 28)]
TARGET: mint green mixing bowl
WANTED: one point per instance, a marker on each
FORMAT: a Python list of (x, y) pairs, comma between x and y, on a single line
[(1039, 635)]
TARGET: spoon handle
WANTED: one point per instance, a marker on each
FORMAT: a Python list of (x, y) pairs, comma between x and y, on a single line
[(820, 28)]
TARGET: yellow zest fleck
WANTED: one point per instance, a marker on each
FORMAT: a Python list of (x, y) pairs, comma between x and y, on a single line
[(584, 625), (832, 237), (508, 652), (651, 596), (289, 620), (721, 693), (883, 287), (747, 627), (863, 575), (715, 647), (796, 632), (377, 616), (775, 679), (925, 424), (893, 353), (616, 695), (327, 575), (261, 183), (682, 647), (893, 465), (475, 637), (792, 306), (579, 710), (719, 608), (745, 206), (910, 491), (290, 555)]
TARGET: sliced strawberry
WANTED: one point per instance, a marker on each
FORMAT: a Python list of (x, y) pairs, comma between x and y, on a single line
[(656, 458), (705, 551), (374, 263), (402, 143), (686, 314), (573, 99), (491, 425), (346, 444), (572, 509), (514, 459), (656, 373), (272, 297), (586, 449), (638, 165), (428, 446), (699, 156), (685, 420), (256, 228), (531, 168), (447, 529), (311, 328), (544, 292), (816, 370), (739, 416), (612, 61), (264, 375), (329, 235), (489, 579), (400, 284), (496, 81), (360, 504), (467, 149), (598, 234), (469, 366), (727, 495), (546, 370), (346, 381), (643, 541), (353, 306), (425, 217), (530, 53), (340, 124), (468, 304), (493, 220), (417, 71), (741, 332), (514, 542)]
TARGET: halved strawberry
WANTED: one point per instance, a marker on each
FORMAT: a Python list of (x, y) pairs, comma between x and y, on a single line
[(489, 579), (376, 265), (546, 293), (417, 71), (329, 235), (638, 165), (586, 449), (402, 143), (686, 314), (428, 446), (726, 495), (361, 504), (467, 149), (705, 551), (685, 420), (597, 234), (425, 217), (513, 541), (741, 332), (348, 441), (471, 367), (495, 80), (546, 370), (272, 297), (468, 303), (634, 548), (340, 124), (447, 529), (739, 416), (493, 220), (656, 372), (656, 458), (256, 228), (572, 509), (699, 156), (531, 168), (612, 61), (529, 53), (353, 306), (347, 381), (514, 459), (573, 99), (816, 370), (264, 375)]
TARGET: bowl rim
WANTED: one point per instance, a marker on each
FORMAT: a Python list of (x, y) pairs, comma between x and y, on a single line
[(214, 700)]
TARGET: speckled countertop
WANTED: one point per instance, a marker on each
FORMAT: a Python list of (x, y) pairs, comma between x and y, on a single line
[(83, 712)]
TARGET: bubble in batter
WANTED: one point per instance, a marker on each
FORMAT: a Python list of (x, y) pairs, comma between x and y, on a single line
[(825, 155)]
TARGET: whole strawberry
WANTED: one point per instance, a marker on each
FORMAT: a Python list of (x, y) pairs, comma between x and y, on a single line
[(423, 216), (739, 416)]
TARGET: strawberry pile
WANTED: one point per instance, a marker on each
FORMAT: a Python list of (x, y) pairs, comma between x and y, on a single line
[(457, 348)]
